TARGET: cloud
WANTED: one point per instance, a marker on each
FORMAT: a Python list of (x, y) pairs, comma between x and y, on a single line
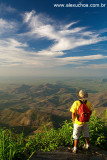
[(7, 26), (79, 60), (82, 58), (15, 50), (70, 24), (39, 26), (49, 53), (15, 53), (65, 37), (12, 51), (94, 66), (103, 30), (6, 9)]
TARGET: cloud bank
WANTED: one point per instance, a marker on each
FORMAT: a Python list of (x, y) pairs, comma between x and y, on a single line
[(16, 50)]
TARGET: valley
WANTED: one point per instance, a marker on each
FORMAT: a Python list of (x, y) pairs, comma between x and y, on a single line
[(30, 108)]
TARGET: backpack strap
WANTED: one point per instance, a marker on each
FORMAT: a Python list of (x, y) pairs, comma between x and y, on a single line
[(83, 102), (80, 101)]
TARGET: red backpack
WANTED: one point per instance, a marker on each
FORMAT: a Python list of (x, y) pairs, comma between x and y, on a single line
[(83, 113)]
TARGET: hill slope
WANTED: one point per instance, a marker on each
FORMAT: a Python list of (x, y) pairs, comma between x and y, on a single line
[(48, 104)]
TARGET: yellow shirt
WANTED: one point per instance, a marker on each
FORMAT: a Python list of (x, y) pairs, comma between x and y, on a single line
[(74, 109)]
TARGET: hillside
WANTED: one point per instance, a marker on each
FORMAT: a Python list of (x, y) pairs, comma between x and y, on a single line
[(99, 102), (31, 121), (32, 106)]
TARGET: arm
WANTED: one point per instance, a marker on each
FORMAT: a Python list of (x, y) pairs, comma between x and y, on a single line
[(73, 110), (90, 109), (90, 113), (73, 117)]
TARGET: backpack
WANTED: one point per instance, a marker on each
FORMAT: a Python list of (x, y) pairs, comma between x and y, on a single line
[(83, 113)]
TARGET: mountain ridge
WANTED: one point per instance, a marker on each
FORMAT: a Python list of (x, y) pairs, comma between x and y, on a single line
[(49, 102)]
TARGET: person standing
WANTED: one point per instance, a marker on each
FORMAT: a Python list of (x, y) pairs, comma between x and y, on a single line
[(81, 111)]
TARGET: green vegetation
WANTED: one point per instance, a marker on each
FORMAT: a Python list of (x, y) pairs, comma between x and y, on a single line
[(98, 132), (11, 145), (103, 115), (29, 107), (14, 147)]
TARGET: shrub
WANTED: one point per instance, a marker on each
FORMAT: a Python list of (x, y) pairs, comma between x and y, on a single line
[(14, 147), (10, 144), (98, 132)]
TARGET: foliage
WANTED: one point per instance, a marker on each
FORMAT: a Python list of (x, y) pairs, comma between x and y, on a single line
[(98, 132), (14, 147), (10, 144)]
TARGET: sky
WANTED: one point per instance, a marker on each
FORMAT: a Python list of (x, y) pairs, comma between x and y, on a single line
[(63, 38)]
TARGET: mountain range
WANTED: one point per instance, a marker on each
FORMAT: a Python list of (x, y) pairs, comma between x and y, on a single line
[(32, 107)]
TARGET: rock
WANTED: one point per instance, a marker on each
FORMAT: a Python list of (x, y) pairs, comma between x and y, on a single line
[(63, 154)]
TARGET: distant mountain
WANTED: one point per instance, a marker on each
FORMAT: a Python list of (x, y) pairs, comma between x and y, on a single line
[(22, 89), (98, 101), (104, 80), (49, 104), (45, 97), (31, 117), (32, 120)]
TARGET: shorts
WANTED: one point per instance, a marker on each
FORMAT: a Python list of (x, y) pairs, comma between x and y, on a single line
[(80, 128)]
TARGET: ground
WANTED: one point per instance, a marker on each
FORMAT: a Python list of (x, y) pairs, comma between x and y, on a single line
[(63, 153)]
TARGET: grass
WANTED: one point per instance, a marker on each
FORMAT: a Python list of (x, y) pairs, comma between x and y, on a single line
[(15, 147), (10, 144)]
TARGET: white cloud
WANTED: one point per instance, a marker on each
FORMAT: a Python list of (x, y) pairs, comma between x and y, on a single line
[(79, 60), (64, 37), (15, 51), (4, 9), (7, 26), (49, 53), (28, 15), (39, 25), (70, 24), (82, 58), (94, 66)]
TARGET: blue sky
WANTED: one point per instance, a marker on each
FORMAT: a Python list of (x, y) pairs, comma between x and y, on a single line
[(39, 39)]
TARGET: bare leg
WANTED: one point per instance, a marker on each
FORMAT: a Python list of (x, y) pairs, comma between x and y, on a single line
[(76, 143), (87, 145), (87, 140)]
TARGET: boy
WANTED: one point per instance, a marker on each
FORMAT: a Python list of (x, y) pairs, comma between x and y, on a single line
[(80, 125)]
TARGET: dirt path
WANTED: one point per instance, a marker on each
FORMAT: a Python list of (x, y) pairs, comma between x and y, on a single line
[(63, 154)]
